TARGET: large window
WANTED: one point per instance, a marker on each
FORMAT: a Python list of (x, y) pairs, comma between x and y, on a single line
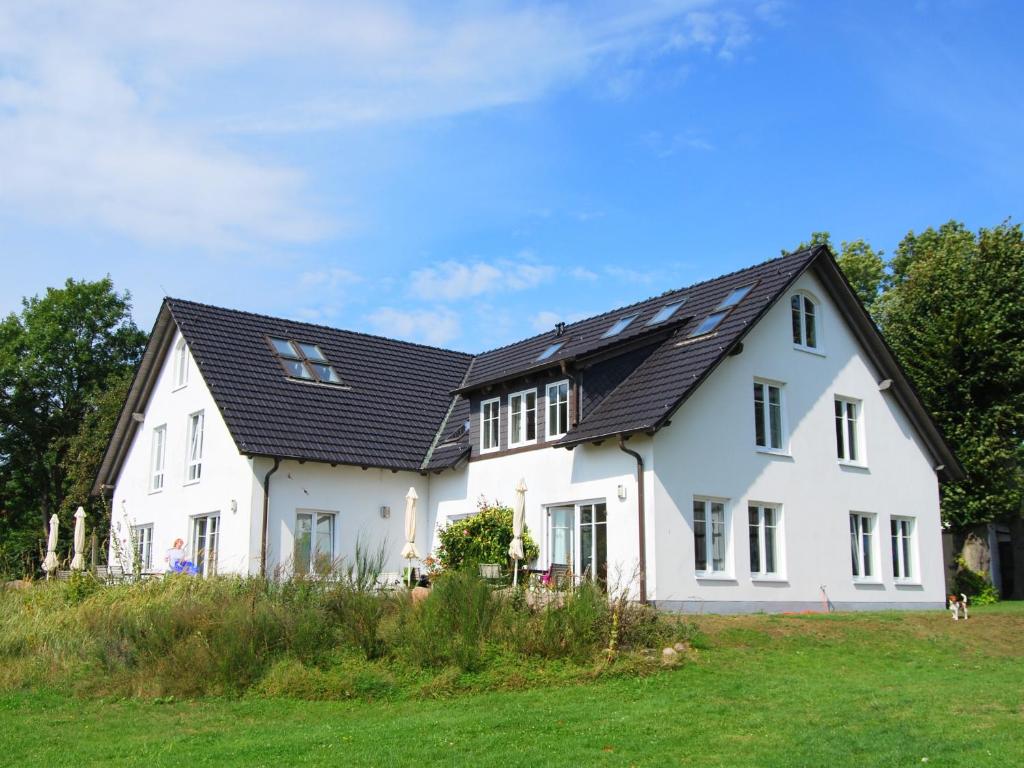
[(558, 409), (314, 542), (848, 431), (194, 448), (522, 418), (489, 414), (205, 538), (862, 552), (769, 428), (901, 530), (763, 520), (158, 458), (180, 363), (710, 536), (305, 361), (143, 537), (578, 539), (805, 321)]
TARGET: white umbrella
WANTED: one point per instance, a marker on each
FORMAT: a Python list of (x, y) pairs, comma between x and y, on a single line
[(515, 549), (409, 550), (78, 561), (50, 563)]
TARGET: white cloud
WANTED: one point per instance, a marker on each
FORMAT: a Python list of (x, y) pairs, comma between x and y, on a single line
[(453, 280), (437, 327), (330, 279), (582, 273), (545, 320)]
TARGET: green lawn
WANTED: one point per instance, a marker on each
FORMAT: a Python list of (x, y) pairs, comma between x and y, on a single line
[(860, 690)]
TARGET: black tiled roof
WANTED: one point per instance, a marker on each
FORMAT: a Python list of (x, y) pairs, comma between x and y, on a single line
[(386, 415)]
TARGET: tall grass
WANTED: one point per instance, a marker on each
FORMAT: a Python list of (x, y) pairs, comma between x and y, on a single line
[(186, 636)]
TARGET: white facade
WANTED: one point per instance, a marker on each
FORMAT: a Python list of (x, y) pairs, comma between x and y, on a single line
[(707, 454)]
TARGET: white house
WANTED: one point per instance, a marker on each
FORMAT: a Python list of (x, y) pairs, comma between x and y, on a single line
[(746, 443)]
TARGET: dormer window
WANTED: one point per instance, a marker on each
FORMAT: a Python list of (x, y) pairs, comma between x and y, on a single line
[(304, 361), (666, 312), (735, 297), (620, 325), (550, 351), (709, 323)]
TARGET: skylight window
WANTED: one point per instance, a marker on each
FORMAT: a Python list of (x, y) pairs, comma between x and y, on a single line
[(735, 297), (304, 361), (620, 325), (550, 351), (709, 323), (666, 312)]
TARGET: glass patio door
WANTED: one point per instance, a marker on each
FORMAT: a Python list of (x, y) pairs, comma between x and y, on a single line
[(594, 542), (205, 535), (561, 536)]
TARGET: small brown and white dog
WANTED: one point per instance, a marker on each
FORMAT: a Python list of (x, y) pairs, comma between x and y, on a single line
[(958, 605)]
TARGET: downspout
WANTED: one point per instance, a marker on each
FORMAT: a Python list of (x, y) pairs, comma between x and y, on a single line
[(640, 515), (266, 516)]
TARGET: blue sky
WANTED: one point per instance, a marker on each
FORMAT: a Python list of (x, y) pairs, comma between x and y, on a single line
[(467, 174)]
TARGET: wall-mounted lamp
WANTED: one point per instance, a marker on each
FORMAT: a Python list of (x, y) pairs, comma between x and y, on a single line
[(940, 467), (622, 493), (234, 505), (385, 512), (139, 417), (884, 384)]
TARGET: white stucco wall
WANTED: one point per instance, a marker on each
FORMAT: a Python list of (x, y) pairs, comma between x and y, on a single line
[(709, 450), (226, 476), (555, 476)]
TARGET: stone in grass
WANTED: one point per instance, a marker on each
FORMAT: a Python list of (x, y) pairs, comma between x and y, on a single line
[(669, 654), (681, 647)]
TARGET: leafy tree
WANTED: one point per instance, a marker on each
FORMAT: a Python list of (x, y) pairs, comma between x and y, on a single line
[(482, 538), (863, 266), (61, 358)]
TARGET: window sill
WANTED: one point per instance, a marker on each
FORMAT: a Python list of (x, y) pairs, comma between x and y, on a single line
[(153, 491), (910, 583), (773, 452), (809, 350), (485, 451), (192, 482), (176, 387), (868, 583), (717, 577), (853, 464), (523, 444), (769, 579)]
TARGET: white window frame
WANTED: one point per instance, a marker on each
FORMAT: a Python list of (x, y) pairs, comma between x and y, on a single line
[(766, 412), (858, 547), (709, 572), (181, 366), (778, 550), (485, 431), (315, 516), (158, 459), (801, 344), (843, 441), (517, 440), (143, 541), (207, 565), (195, 435), (576, 535), (550, 425), (904, 549)]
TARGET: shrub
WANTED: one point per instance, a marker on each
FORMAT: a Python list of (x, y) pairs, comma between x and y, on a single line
[(975, 585), (482, 538)]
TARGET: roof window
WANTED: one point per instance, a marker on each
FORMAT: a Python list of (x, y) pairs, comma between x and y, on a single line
[(735, 297), (550, 351), (709, 323), (620, 325), (304, 361), (666, 312)]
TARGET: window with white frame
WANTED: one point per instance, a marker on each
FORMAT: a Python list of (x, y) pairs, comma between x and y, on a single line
[(314, 542), (194, 448), (180, 363), (769, 427), (710, 536), (558, 409), (862, 545), (158, 458), (522, 417), (205, 539), (489, 416), (143, 536), (763, 521), (901, 530), (804, 313), (578, 539), (848, 430)]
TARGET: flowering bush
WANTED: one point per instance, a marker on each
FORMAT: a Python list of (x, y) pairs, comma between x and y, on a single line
[(482, 538)]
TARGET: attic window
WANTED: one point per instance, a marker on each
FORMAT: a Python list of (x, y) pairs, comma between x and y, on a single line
[(709, 323), (304, 361), (620, 325), (666, 312), (550, 351), (735, 297)]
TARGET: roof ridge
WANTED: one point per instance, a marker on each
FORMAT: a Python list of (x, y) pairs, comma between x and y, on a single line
[(682, 289), (334, 329)]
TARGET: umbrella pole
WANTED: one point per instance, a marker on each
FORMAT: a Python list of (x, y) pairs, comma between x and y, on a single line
[(515, 573)]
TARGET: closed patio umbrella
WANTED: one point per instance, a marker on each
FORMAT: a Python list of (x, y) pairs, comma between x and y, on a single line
[(78, 561), (515, 549), (409, 550), (50, 563)]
